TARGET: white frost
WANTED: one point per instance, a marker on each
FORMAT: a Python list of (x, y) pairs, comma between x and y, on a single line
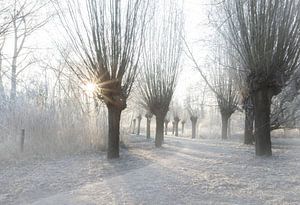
[(182, 172)]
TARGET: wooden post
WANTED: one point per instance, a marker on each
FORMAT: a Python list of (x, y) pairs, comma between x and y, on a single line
[(22, 140)]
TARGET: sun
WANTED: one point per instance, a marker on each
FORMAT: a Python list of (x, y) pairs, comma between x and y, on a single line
[(90, 87)]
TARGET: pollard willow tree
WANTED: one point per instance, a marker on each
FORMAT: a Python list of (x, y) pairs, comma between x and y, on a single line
[(222, 84), (161, 62), (106, 38), (175, 110), (265, 34), (224, 87), (227, 98), (284, 108), (142, 106), (194, 113), (194, 104)]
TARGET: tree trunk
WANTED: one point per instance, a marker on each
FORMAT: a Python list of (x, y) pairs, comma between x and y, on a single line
[(133, 130), (159, 135), (224, 126), (249, 119), (173, 128), (193, 129), (148, 127), (166, 128), (229, 127), (176, 127), (114, 115), (182, 127), (262, 104), (194, 122), (139, 125)]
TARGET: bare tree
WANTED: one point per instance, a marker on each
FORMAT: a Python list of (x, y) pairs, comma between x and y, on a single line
[(5, 23), (194, 104), (141, 105), (194, 111), (224, 87), (265, 35), (106, 38), (24, 21), (161, 63)]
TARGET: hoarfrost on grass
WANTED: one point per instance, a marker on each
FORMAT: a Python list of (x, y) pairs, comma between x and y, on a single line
[(182, 172)]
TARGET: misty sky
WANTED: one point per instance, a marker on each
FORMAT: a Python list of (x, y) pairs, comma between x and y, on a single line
[(197, 32)]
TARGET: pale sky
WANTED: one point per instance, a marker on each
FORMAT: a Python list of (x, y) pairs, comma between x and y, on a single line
[(197, 32)]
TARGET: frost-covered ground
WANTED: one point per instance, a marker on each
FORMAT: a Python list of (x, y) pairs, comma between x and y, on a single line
[(183, 172)]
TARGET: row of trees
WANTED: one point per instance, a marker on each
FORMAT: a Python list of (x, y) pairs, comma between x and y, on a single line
[(261, 47), (118, 45), (262, 39), (111, 42), (177, 116), (108, 44), (256, 65), (161, 63), (265, 37)]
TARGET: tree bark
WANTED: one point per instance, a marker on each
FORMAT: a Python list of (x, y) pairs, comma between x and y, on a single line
[(114, 115), (224, 126), (133, 130), (176, 121), (229, 127), (248, 133), (139, 125), (182, 127), (173, 127), (166, 127), (262, 104), (159, 135), (194, 122), (148, 127)]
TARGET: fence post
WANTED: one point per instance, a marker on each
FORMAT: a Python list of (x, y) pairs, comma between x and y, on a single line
[(22, 139)]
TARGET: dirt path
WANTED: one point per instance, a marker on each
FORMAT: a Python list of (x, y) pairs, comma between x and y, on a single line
[(183, 172)]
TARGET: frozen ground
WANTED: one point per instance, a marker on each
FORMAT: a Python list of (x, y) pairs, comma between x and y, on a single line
[(183, 172)]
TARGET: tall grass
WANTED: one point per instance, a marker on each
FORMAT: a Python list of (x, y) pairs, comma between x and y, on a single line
[(52, 129)]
